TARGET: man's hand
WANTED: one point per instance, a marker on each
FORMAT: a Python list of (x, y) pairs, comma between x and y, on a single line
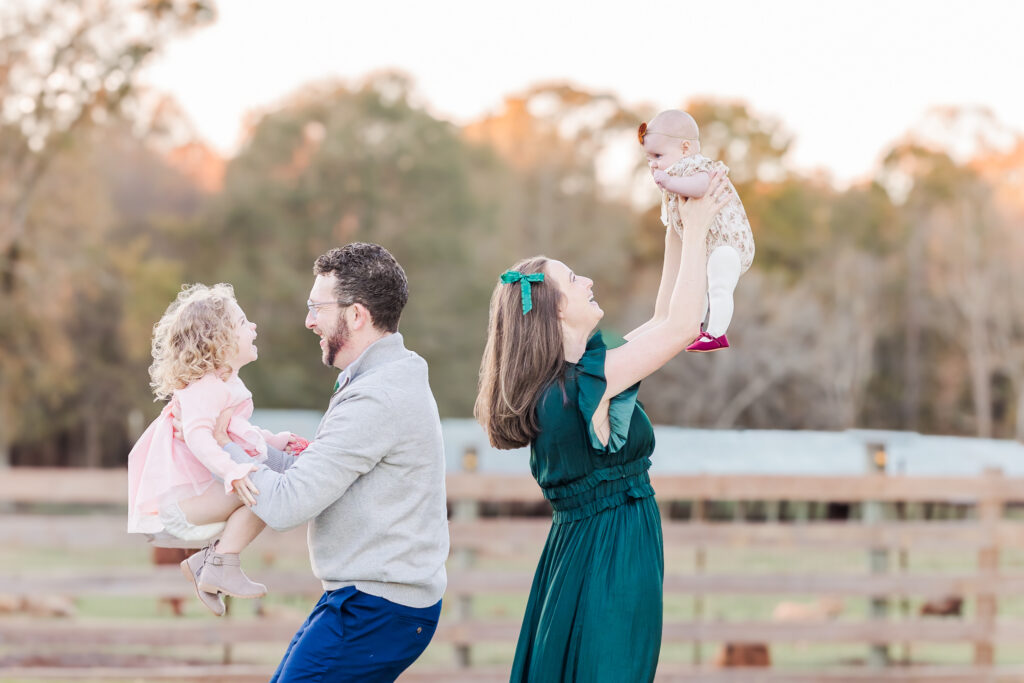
[(176, 420), (245, 489), (220, 428)]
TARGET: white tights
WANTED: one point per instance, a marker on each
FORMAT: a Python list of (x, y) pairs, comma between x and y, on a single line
[(723, 274)]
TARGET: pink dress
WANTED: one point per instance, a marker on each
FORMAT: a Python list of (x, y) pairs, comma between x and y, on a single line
[(162, 469)]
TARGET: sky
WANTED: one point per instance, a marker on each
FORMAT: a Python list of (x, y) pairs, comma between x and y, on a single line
[(846, 79)]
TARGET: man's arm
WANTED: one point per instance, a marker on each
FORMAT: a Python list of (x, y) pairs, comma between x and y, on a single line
[(349, 445), (278, 461)]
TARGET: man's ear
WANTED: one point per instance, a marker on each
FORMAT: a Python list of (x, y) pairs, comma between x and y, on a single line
[(360, 316)]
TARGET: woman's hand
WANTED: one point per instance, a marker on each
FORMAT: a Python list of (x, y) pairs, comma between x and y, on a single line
[(245, 489), (697, 214)]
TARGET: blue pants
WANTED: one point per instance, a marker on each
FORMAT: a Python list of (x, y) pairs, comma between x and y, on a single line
[(353, 636)]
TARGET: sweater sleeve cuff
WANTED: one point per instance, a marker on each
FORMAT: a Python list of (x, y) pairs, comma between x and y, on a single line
[(237, 454), (278, 460)]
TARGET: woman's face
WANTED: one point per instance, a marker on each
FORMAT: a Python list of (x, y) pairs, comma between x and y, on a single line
[(577, 308)]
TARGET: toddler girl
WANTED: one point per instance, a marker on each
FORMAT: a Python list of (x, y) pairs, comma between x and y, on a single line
[(191, 488), (672, 144)]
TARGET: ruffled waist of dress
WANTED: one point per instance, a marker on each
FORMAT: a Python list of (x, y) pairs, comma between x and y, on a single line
[(596, 478), (615, 486)]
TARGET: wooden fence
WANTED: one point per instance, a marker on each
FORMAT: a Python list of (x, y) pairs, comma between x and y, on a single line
[(985, 534)]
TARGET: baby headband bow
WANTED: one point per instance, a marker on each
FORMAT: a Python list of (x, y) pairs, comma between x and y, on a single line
[(510, 277), (642, 132)]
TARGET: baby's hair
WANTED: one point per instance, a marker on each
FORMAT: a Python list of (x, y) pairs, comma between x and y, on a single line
[(672, 123), (194, 337)]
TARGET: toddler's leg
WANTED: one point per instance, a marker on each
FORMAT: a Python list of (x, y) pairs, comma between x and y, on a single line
[(217, 568), (213, 505), (242, 527), (723, 274), (222, 570)]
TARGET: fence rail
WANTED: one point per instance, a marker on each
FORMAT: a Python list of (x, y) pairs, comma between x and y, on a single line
[(56, 485), (985, 535)]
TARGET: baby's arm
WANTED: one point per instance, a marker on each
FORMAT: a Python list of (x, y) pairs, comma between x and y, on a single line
[(686, 186)]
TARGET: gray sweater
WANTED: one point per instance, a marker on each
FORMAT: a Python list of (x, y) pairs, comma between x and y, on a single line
[(371, 483)]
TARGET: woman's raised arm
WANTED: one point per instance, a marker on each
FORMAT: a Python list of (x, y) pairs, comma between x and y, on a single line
[(653, 345)]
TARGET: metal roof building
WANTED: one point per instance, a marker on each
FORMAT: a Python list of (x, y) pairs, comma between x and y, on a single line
[(757, 451)]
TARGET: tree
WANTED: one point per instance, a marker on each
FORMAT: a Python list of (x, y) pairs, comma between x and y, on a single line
[(65, 66), (754, 147), (342, 163)]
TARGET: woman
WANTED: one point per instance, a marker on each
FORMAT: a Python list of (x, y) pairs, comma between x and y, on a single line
[(594, 612)]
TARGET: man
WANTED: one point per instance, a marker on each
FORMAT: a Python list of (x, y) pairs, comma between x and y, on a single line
[(371, 483)]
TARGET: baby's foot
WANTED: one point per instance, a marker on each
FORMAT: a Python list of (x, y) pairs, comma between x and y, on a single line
[(705, 343)]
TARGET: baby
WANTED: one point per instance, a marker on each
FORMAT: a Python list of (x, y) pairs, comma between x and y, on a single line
[(671, 142)]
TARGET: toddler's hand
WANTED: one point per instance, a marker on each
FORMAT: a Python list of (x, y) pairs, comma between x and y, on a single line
[(296, 445), (660, 178), (245, 489)]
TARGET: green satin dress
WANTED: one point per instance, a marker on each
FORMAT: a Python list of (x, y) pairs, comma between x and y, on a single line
[(595, 608)]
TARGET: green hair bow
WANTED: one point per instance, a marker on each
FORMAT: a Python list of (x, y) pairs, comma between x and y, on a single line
[(510, 277)]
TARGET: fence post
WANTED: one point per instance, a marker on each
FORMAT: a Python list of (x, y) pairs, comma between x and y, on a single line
[(464, 558), (905, 512), (227, 656), (698, 516), (878, 558), (990, 512)]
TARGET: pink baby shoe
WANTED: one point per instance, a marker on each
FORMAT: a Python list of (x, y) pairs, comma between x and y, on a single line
[(705, 343)]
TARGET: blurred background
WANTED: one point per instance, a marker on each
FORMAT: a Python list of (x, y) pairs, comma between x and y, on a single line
[(878, 149), (145, 145)]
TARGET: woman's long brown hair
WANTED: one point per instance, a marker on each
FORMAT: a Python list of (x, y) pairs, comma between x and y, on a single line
[(523, 356)]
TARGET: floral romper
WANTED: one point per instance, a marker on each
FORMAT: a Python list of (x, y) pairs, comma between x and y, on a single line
[(730, 227)]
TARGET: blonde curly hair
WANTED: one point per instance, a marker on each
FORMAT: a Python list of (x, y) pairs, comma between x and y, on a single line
[(195, 337)]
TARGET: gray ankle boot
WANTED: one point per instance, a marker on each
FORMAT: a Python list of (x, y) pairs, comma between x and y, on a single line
[(223, 572), (192, 568)]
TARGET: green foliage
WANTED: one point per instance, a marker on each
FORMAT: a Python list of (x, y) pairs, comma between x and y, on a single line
[(853, 314), (360, 165)]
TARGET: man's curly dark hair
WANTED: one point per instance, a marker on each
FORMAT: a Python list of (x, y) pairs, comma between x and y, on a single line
[(369, 275)]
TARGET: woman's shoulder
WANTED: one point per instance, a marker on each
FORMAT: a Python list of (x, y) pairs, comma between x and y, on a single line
[(581, 386), (599, 344)]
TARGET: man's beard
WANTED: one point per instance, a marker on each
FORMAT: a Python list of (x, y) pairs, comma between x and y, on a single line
[(337, 340)]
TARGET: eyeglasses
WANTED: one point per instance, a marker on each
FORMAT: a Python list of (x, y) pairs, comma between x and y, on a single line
[(315, 306)]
